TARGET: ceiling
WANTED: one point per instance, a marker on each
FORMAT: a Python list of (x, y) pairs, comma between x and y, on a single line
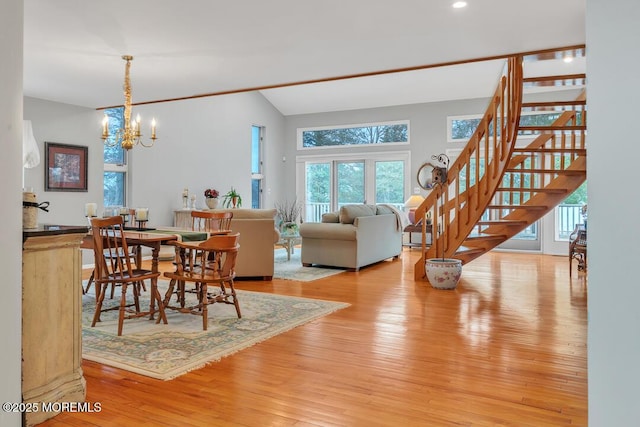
[(73, 48)]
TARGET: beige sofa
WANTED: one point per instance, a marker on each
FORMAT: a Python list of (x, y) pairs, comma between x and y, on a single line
[(257, 237), (357, 236)]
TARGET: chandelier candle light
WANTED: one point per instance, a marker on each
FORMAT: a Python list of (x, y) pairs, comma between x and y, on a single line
[(130, 135)]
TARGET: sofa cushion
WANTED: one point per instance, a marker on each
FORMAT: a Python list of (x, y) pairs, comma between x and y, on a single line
[(331, 217), (328, 231), (384, 210), (350, 212)]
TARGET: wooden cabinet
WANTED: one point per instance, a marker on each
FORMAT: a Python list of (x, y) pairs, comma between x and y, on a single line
[(51, 320)]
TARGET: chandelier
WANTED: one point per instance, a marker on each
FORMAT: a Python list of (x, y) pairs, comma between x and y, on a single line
[(130, 135)]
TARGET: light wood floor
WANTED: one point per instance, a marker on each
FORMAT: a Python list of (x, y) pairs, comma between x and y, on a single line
[(508, 347)]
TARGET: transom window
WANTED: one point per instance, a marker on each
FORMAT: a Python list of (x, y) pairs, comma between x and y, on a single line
[(354, 135), (461, 128)]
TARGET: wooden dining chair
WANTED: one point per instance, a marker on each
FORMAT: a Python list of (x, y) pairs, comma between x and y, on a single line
[(133, 254), (192, 266), (212, 222), (113, 267)]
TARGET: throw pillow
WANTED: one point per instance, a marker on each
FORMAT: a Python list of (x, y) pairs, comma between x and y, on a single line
[(330, 217), (348, 213)]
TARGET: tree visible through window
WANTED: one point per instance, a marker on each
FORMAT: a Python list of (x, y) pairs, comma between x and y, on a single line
[(115, 167), (356, 135)]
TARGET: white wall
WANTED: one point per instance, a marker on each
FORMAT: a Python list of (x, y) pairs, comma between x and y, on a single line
[(205, 143), (202, 143), (428, 130), (11, 20), (613, 37), (65, 124)]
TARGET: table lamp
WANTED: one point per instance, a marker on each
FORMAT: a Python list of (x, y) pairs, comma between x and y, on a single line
[(412, 204)]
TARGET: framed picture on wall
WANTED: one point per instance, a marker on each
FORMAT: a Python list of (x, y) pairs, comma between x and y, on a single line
[(65, 167)]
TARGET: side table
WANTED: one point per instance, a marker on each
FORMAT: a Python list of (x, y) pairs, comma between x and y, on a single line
[(288, 241), (416, 228)]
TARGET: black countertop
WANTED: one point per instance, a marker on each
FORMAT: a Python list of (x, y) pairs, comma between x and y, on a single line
[(52, 229)]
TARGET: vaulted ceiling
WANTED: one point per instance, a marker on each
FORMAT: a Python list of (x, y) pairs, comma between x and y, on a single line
[(73, 48)]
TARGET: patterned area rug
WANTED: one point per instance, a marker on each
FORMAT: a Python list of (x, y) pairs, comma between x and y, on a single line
[(167, 351), (293, 269)]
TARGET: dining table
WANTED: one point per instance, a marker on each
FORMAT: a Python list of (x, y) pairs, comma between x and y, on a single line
[(152, 240)]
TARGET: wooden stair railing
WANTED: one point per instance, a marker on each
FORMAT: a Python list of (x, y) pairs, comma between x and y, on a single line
[(490, 145), (538, 178), (481, 207)]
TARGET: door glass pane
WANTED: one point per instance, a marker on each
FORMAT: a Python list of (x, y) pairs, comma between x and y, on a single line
[(389, 183), (114, 189), (318, 191), (350, 182), (569, 213)]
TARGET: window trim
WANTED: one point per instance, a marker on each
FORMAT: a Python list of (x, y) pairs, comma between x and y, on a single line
[(299, 132), (370, 157)]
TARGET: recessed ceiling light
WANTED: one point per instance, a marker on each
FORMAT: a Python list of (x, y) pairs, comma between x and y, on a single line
[(568, 59), (459, 4)]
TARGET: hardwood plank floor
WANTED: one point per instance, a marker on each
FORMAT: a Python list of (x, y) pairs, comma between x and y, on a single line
[(507, 347)]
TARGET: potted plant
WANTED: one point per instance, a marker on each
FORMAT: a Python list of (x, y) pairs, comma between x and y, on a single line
[(232, 199), (442, 273), (288, 212), (211, 197)]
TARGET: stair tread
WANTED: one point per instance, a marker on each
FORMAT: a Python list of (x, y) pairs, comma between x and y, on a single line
[(468, 250), (502, 222), (553, 127), (558, 171), (532, 190), (484, 236), (554, 77), (578, 151), (553, 103), (517, 207)]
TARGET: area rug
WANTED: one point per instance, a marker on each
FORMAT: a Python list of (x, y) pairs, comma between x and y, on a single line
[(293, 270), (167, 351)]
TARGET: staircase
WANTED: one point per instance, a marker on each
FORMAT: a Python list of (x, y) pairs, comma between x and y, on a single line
[(500, 185)]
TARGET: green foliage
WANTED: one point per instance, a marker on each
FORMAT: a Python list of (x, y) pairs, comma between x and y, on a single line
[(578, 197), (355, 136), (228, 198)]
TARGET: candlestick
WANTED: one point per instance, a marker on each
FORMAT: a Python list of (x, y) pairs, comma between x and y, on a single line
[(142, 214), (91, 209), (105, 127), (153, 128)]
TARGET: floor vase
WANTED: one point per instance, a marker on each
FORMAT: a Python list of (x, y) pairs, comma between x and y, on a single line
[(443, 273)]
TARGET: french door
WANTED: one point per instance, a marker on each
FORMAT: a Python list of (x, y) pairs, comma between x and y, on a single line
[(327, 183)]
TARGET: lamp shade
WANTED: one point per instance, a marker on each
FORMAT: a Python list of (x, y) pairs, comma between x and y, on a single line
[(414, 201), (30, 152)]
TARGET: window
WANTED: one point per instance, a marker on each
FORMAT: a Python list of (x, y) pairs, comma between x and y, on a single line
[(569, 213), (354, 135), (327, 183), (461, 128), (115, 163), (257, 137)]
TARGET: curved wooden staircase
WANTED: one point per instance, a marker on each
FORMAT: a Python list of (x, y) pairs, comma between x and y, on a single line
[(497, 188)]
